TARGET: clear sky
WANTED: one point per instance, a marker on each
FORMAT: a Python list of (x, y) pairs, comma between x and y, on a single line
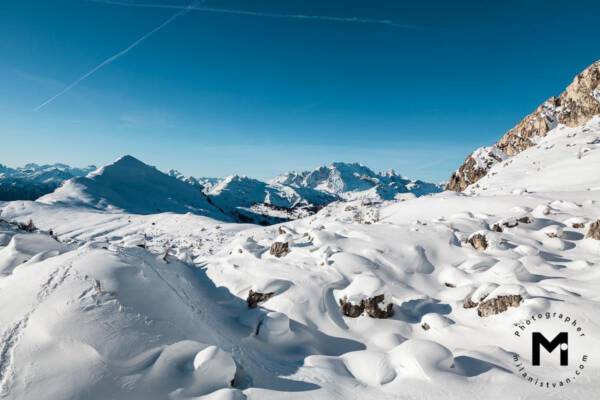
[(250, 87)]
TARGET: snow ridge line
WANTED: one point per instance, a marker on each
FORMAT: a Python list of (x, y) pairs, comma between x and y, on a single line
[(10, 338)]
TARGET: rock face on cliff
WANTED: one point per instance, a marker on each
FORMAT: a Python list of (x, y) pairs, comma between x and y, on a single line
[(574, 107)]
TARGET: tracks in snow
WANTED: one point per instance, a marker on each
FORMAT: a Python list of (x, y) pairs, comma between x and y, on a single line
[(11, 337)]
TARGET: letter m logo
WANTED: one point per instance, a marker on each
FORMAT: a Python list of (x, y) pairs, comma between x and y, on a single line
[(562, 340)]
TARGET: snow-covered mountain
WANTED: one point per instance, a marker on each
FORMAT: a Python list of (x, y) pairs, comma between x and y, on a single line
[(101, 298), (255, 201), (34, 180), (353, 180), (132, 186), (578, 104)]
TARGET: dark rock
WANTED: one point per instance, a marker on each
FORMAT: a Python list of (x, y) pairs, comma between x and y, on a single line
[(374, 310), (524, 220), (450, 285), (594, 230), (478, 241), (497, 228), (351, 310), (27, 227), (425, 326), (280, 249), (578, 225), (498, 305), (256, 297), (469, 303)]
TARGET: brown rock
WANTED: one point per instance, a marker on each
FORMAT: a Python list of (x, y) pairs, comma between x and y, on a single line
[(574, 107), (498, 305), (594, 230), (350, 309), (280, 249), (256, 297), (425, 326), (478, 241), (374, 310), (469, 303)]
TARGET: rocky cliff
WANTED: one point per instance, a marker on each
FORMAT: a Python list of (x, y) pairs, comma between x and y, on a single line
[(575, 106)]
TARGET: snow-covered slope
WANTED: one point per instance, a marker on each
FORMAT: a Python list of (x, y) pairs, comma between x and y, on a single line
[(33, 180), (255, 201), (99, 317), (134, 187), (575, 106), (352, 180), (566, 159)]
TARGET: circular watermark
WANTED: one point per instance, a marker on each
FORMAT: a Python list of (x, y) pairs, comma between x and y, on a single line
[(552, 349)]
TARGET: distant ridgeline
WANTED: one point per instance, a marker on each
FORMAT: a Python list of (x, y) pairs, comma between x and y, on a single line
[(132, 186)]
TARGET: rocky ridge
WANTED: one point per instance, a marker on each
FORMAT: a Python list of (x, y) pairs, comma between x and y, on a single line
[(575, 106)]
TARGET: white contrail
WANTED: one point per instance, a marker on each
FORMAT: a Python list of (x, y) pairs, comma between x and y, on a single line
[(259, 14), (114, 57)]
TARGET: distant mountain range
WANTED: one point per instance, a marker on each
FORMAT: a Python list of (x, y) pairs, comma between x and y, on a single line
[(33, 180), (130, 185)]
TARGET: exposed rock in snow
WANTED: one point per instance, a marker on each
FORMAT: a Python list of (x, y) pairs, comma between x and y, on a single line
[(478, 241), (376, 308), (350, 309), (498, 305), (279, 249), (594, 230), (254, 298)]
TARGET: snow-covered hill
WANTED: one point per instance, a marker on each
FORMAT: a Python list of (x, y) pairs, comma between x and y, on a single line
[(352, 180), (256, 201), (132, 186), (33, 180)]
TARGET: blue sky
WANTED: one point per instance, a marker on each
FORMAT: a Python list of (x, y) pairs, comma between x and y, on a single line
[(258, 90)]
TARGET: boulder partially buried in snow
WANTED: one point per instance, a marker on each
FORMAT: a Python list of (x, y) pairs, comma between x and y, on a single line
[(498, 304), (594, 230), (478, 241), (280, 249), (254, 298), (376, 308)]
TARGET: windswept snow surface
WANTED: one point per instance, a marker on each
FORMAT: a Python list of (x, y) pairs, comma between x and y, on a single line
[(100, 303)]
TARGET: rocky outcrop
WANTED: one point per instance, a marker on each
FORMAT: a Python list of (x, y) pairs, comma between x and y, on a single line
[(575, 106), (478, 241), (498, 305), (375, 307), (254, 298), (280, 249), (594, 230), (350, 309)]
